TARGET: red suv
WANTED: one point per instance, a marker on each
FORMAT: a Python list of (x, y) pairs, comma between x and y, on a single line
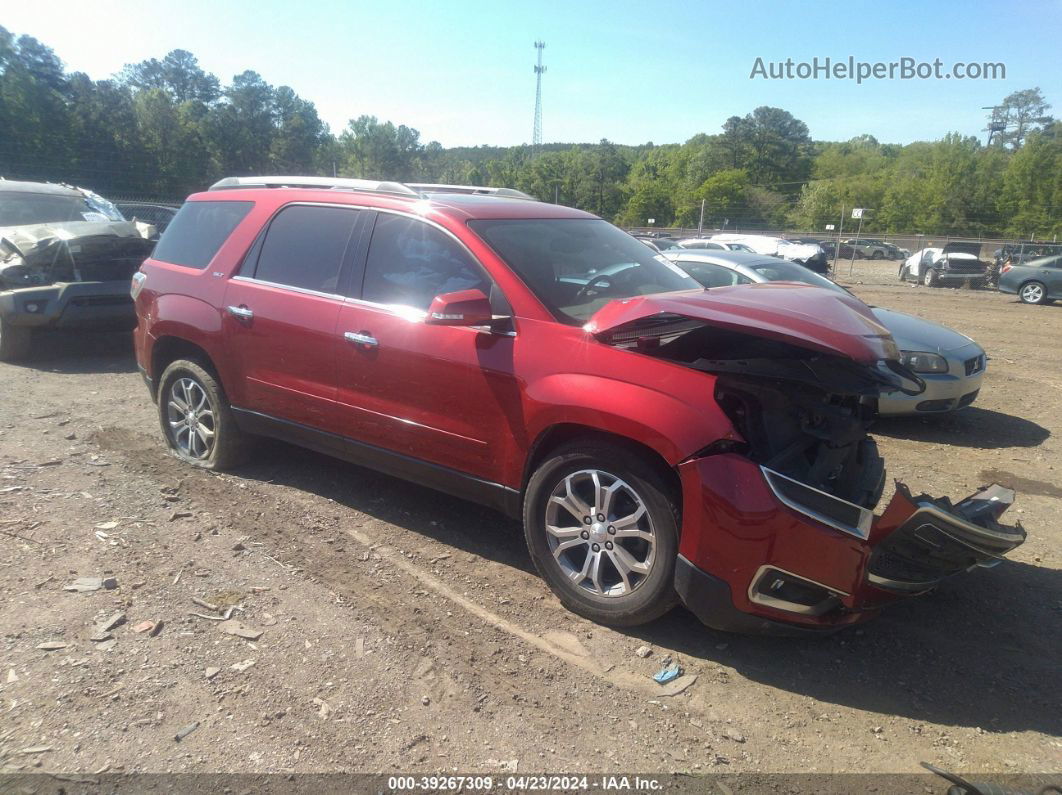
[(661, 442)]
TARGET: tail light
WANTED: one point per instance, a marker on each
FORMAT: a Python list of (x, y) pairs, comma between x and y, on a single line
[(1006, 268)]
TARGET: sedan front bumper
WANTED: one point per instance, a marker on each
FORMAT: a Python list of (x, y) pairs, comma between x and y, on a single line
[(763, 553)]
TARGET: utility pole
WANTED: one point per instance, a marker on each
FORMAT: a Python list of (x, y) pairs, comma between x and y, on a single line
[(861, 211), (700, 223), (837, 248), (536, 134)]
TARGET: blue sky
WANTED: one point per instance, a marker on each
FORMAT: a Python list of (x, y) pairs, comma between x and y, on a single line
[(460, 71)]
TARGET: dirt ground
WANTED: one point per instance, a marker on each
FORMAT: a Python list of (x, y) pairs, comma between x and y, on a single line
[(403, 630)]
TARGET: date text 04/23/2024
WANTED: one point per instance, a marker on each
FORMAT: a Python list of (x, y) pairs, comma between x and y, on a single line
[(525, 783)]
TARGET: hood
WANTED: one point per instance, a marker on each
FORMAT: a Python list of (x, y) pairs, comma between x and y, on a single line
[(801, 315), (29, 236), (915, 334), (33, 255), (961, 247)]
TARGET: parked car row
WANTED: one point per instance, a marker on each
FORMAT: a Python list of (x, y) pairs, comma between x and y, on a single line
[(659, 441)]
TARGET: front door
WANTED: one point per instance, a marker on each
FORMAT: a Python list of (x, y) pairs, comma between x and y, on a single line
[(442, 394)]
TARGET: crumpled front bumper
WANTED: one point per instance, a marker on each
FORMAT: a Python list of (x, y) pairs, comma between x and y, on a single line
[(102, 305), (763, 553)]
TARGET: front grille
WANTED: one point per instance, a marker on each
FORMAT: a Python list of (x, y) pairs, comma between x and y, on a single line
[(974, 365)]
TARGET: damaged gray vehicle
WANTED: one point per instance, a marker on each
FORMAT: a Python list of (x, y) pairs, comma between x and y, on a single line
[(67, 256)]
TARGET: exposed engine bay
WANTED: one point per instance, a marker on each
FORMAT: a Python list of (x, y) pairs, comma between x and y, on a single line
[(802, 413)]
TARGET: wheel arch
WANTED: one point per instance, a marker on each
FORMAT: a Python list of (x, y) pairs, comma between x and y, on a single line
[(562, 433), (168, 349)]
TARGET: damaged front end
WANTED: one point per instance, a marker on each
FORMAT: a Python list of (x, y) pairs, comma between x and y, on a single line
[(70, 274), (778, 528)]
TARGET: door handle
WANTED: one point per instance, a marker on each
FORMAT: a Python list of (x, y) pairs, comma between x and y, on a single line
[(361, 338), (242, 312)]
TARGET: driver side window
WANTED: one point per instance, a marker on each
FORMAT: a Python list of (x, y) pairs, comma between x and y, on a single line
[(410, 262)]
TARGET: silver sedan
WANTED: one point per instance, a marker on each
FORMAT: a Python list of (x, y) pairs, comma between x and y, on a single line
[(951, 364)]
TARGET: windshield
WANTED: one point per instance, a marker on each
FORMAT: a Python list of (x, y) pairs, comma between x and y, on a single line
[(576, 266), (18, 208), (782, 271)]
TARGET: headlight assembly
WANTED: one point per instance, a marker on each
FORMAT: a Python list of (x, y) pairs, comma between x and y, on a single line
[(924, 362)]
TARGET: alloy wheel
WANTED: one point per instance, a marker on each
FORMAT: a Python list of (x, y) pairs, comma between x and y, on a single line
[(600, 533), (191, 418), (1032, 293)]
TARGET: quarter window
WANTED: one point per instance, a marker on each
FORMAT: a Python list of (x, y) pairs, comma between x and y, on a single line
[(198, 230), (411, 262), (304, 247)]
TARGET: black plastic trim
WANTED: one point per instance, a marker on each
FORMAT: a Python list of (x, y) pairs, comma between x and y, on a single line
[(451, 481), (709, 598)]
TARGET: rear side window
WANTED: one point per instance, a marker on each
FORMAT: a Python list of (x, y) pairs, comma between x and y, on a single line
[(304, 247), (411, 262), (197, 231)]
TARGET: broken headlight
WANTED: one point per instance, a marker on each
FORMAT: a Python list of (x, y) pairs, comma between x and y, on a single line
[(21, 275), (924, 362)]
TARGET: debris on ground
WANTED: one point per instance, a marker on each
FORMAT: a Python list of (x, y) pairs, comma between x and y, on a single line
[(240, 667), (86, 584), (734, 734), (667, 674), (210, 673), (240, 630), (184, 731), (52, 645), (151, 627), (115, 620), (643, 652)]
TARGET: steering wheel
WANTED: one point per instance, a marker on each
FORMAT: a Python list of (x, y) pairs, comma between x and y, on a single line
[(589, 286)]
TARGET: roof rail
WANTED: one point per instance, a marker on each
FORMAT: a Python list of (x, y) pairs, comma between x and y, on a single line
[(325, 183), (512, 193)]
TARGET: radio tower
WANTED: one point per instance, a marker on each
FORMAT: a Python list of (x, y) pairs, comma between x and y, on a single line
[(536, 136)]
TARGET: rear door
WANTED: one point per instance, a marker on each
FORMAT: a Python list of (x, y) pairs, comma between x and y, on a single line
[(281, 313), (1051, 271), (443, 394)]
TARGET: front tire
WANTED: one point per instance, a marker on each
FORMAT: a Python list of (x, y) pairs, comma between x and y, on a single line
[(15, 341), (196, 419), (929, 278), (602, 528), (1033, 293)]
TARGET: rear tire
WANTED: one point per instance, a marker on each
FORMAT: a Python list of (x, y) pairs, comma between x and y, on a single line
[(196, 419), (15, 341), (632, 581), (902, 275), (1033, 293)]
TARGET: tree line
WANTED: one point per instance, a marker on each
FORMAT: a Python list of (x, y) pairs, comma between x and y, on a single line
[(164, 128)]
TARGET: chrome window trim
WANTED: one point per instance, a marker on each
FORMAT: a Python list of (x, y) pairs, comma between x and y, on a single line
[(790, 607), (291, 287), (860, 531)]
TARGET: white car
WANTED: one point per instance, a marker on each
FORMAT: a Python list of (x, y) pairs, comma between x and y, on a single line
[(810, 255), (956, 262), (707, 244)]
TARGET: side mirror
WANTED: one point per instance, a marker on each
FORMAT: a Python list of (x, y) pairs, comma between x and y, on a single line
[(461, 308)]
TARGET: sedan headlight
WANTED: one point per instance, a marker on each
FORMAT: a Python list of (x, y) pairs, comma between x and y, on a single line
[(924, 362)]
